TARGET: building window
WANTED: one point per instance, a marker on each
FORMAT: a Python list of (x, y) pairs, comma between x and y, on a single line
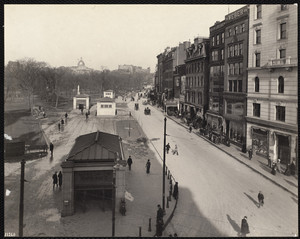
[(222, 38), (257, 59), (282, 53), (222, 54), (230, 51), (218, 39), (258, 36), (241, 68), (236, 68), (236, 30), (230, 86), (283, 30), (243, 27), (240, 85), (213, 41), (198, 81), (235, 87), (236, 50), (280, 84), (256, 87), (241, 49), (283, 7), (280, 113), (256, 110), (229, 32), (258, 11)]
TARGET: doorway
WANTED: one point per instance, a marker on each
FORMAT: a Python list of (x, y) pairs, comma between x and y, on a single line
[(283, 149)]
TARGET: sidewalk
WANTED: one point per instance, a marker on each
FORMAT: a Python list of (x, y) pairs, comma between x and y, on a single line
[(257, 164)]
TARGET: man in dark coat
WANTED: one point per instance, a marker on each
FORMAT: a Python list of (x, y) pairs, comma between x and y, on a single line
[(175, 191), (159, 213), (54, 177), (250, 154), (168, 147), (59, 179), (159, 227), (129, 162), (244, 227), (148, 164), (51, 148), (260, 197)]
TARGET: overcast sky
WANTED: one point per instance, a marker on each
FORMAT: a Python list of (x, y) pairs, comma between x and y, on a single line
[(104, 35)]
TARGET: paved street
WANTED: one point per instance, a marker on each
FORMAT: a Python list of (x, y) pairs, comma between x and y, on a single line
[(215, 190)]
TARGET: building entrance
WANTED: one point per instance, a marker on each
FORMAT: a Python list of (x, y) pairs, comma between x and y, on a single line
[(97, 199), (283, 149)]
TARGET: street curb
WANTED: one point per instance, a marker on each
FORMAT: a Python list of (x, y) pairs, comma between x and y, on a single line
[(284, 188)]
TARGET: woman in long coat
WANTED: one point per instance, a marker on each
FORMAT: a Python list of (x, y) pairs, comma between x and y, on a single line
[(244, 227)]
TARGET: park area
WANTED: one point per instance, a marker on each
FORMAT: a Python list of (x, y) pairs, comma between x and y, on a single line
[(22, 124)]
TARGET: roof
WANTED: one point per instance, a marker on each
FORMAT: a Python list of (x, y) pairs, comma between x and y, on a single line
[(106, 99), (97, 146), (82, 96)]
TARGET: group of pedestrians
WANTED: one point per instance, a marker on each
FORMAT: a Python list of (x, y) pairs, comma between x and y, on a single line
[(174, 151), (57, 180), (62, 122)]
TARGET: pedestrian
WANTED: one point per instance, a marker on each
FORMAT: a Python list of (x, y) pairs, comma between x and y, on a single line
[(293, 168), (274, 168), (168, 147), (81, 111), (190, 128), (175, 191), (58, 126), (278, 166), (129, 113), (62, 121), (244, 227), (159, 213), (66, 115), (86, 115), (51, 148), (175, 150), (54, 177), (175, 234), (59, 179), (148, 164), (260, 197), (159, 227), (129, 162), (250, 154), (269, 162)]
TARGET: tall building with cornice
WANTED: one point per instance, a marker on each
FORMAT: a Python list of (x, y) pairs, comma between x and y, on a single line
[(272, 101)]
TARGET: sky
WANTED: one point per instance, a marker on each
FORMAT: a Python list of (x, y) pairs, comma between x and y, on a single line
[(104, 35)]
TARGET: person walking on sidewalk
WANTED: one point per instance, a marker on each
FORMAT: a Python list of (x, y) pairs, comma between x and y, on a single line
[(190, 129), (51, 148), (159, 213), (148, 164), (269, 162), (260, 197), (54, 177), (244, 227), (168, 147), (175, 191), (59, 126), (175, 151), (129, 162), (250, 154), (59, 179)]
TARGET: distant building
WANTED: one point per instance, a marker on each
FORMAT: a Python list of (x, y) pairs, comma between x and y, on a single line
[(214, 115), (235, 78), (81, 68), (197, 77), (109, 94), (106, 106), (272, 101), (133, 69), (81, 101)]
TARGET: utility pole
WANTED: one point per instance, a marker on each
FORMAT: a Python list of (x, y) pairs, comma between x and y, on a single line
[(113, 202), (21, 208), (164, 164)]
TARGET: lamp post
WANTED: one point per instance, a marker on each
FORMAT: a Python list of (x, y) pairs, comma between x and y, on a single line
[(164, 164), (21, 208)]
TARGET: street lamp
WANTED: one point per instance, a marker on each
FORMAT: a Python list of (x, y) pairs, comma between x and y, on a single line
[(21, 208), (164, 164)]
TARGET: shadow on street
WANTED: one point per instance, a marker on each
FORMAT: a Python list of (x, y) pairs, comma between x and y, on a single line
[(252, 199)]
